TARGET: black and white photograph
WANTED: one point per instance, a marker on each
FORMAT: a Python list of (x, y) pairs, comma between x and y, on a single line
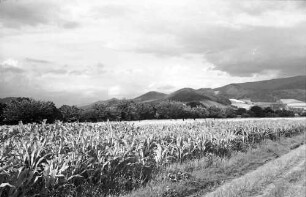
[(152, 98)]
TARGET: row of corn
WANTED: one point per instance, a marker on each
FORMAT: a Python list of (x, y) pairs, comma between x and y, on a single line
[(87, 159)]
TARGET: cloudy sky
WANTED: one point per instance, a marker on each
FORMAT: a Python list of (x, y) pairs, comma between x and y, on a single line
[(80, 51)]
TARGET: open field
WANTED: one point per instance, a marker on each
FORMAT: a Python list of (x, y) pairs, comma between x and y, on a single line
[(112, 158), (180, 121)]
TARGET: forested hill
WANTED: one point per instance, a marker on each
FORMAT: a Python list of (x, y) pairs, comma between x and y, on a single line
[(268, 90)]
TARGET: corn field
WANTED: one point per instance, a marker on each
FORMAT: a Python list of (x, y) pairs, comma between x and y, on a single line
[(98, 159)]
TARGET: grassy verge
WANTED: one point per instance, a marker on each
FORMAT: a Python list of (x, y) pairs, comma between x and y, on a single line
[(292, 184), (198, 177), (261, 182)]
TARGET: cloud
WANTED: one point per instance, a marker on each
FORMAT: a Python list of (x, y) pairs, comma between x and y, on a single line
[(10, 66), (57, 71), (32, 13), (247, 38), (31, 60), (260, 50), (12, 70), (15, 82), (76, 72), (98, 49), (18, 13), (93, 71), (71, 25), (110, 11)]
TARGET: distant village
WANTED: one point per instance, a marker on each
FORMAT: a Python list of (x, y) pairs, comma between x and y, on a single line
[(281, 104)]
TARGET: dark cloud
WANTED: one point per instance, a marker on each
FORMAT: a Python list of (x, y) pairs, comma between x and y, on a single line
[(18, 13), (57, 71), (100, 65), (98, 69), (251, 41), (259, 7), (39, 61), (32, 13), (13, 70), (95, 70), (71, 25), (7, 68), (241, 51), (76, 72), (260, 50)]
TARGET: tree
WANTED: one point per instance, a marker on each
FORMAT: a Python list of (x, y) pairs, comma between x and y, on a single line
[(268, 112), (170, 110), (29, 110), (195, 104), (215, 112), (241, 111), (104, 111), (70, 113), (256, 111), (230, 113), (284, 113), (2, 107), (88, 115), (200, 112), (145, 111)]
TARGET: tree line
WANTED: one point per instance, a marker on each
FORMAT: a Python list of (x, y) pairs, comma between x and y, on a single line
[(29, 110)]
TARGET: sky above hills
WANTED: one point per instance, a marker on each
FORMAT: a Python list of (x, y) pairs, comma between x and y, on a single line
[(78, 51)]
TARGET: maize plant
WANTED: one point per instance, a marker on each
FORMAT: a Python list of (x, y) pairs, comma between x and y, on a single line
[(97, 159)]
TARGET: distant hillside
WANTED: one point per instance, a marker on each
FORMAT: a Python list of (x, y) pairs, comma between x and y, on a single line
[(150, 96), (109, 101), (205, 96), (213, 95), (268, 90), (186, 95)]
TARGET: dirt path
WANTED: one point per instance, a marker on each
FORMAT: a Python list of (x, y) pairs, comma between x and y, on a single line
[(283, 177), (290, 183)]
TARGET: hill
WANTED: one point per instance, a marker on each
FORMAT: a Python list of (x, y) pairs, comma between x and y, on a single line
[(213, 95), (150, 96), (109, 101), (268, 90), (206, 96), (186, 95)]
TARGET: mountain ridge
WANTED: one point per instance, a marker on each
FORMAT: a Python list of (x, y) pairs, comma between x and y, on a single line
[(267, 90), (258, 91)]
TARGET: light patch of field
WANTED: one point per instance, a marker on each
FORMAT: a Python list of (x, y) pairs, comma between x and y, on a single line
[(180, 121), (272, 179)]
